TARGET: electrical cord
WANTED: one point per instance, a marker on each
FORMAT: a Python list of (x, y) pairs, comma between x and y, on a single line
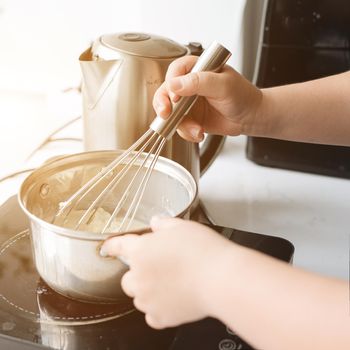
[(9, 176), (47, 140), (51, 139)]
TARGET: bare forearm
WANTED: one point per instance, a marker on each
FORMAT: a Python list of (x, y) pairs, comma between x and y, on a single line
[(275, 306), (317, 111)]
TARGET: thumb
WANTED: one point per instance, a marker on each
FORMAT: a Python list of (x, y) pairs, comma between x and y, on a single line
[(120, 246), (208, 84)]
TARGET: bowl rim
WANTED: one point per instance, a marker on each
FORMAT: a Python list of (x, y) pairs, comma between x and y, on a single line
[(86, 235)]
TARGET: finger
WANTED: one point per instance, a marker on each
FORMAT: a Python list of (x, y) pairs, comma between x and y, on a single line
[(191, 130), (177, 68), (160, 223), (120, 246), (139, 305), (128, 284), (161, 102), (180, 66), (208, 84), (152, 322)]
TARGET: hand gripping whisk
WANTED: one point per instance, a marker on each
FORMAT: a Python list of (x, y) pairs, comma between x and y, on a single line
[(143, 154)]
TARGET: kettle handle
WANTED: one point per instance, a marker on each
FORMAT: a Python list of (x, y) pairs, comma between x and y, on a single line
[(208, 151)]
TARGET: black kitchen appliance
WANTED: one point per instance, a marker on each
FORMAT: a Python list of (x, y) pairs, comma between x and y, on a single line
[(32, 316), (302, 40)]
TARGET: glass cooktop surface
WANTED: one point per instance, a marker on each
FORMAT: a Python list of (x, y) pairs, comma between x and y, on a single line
[(33, 316)]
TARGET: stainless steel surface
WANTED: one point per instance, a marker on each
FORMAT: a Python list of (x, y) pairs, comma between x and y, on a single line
[(120, 78), (69, 260), (121, 73), (138, 44)]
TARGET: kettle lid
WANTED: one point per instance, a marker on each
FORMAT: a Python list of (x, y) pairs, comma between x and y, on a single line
[(144, 45)]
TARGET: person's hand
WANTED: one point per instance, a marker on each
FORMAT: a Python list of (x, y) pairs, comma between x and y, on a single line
[(227, 105), (172, 269)]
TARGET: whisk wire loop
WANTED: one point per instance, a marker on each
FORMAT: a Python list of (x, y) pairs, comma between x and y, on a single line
[(78, 196), (130, 185), (91, 210), (141, 189)]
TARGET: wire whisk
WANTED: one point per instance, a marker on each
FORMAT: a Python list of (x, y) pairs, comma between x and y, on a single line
[(131, 171)]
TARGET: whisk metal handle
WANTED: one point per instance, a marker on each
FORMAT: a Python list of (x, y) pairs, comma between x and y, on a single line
[(212, 59)]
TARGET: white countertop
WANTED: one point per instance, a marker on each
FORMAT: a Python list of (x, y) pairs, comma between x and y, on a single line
[(311, 211)]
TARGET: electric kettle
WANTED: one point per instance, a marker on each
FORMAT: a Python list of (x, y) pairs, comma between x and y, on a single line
[(121, 73)]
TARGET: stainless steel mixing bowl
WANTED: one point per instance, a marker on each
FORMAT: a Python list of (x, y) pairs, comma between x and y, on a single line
[(69, 260)]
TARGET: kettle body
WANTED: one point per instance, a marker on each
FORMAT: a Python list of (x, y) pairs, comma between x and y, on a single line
[(121, 72)]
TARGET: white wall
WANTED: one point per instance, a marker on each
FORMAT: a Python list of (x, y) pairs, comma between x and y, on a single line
[(40, 40)]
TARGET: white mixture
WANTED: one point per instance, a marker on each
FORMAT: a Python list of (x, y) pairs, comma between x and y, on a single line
[(99, 220)]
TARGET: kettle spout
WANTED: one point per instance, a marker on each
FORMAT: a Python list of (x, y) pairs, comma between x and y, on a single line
[(97, 76), (86, 55)]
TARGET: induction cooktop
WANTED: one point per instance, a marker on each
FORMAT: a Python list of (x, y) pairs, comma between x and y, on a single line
[(33, 316)]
